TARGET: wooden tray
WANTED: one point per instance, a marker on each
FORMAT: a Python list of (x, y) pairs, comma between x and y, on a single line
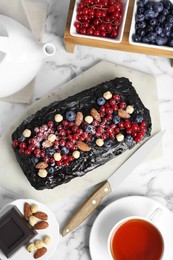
[(70, 41)]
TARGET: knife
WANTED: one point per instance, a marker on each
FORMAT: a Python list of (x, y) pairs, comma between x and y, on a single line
[(106, 187)]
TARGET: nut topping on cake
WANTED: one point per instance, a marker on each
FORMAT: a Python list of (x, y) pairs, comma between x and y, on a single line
[(83, 147)]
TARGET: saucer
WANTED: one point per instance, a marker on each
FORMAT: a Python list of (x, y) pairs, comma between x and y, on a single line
[(52, 231), (125, 207)]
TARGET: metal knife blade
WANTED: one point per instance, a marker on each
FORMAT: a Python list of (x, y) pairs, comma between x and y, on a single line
[(117, 177)]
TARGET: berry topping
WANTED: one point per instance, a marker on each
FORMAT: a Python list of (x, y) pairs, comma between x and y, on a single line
[(108, 143), (116, 119), (70, 116), (101, 101)]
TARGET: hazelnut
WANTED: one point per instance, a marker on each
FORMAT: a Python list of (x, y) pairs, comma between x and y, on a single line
[(51, 138), (42, 173), (107, 95), (39, 244), (26, 133), (31, 247), (100, 142), (32, 220), (129, 109), (120, 137), (47, 240), (34, 208), (57, 156), (88, 119), (58, 118), (76, 154)]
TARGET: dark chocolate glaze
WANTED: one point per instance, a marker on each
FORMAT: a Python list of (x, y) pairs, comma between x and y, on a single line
[(97, 156)]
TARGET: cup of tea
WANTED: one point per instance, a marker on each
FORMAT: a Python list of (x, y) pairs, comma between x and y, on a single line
[(135, 238)]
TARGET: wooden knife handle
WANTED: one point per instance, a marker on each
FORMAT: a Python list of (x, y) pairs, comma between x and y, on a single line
[(87, 208)]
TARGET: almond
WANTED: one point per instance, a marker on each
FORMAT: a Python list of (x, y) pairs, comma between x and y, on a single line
[(41, 225), (27, 210), (79, 118), (40, 252), (41, 165), (95, 114), (47, 144), (83, 146), (40, 215), (123, 114)]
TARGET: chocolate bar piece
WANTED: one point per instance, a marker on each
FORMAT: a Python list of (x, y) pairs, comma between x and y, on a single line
[(15, 231)]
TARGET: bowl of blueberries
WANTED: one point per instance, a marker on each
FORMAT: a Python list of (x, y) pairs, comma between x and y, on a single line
[(152, 24)]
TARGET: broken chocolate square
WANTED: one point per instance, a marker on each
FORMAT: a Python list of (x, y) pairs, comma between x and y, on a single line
[(15, 231)]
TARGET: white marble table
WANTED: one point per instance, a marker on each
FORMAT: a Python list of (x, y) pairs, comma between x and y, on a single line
[(154, 180)]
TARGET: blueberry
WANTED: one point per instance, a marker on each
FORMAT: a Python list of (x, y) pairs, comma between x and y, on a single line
[(65, 150), (128, 140), (70, 115), (161, 40), (170, 18), (152, 36), (101, 101), (140, 10), (21, 138), (158, 30), (51, 170), (161, 18), (136, 38), (89, 128), (165, 12), (50, 151), (34, 160), (153, 21), (116, 119), (140, 17), (140, 3), (149, 14), (140, 32), (158, 7), (108, 143), (140, 25), (145, 39), (139, 118)]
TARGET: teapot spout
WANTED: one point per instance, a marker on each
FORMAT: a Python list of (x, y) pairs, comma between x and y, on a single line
[(4, 44)]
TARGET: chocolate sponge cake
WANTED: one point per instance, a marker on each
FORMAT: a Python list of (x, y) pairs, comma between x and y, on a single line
[(68, 138)]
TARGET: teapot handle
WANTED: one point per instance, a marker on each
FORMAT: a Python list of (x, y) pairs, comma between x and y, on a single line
[(49, 49)]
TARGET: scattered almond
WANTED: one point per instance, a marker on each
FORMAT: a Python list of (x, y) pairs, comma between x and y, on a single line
[(40, 215), (95, 114), (26, 133), (120, 137), (27, 210), (39, 244), (107, 95), (58, 118), (41, 165), (32, 220), (123, 113), (79, 118), (31, 247), (88, 119), (34, 208), (76, 154), (41, 225), (47, 239), (42, 173), (100, 142), (83, 146), (51, 138), (129, 109), (47, 144), (40, 252)]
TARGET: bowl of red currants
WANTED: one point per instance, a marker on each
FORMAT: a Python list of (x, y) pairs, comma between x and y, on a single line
[(152, 24), (99, 19)]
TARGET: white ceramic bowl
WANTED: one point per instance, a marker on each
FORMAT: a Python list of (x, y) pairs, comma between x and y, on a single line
[(132, 31), (118, 39)]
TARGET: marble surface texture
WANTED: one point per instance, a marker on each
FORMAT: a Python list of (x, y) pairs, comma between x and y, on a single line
[(154, 180)]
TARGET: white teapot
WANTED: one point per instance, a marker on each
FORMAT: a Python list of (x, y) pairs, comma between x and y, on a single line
[(21, 56)]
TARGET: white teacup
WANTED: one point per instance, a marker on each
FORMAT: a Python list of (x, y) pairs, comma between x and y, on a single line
[(136, 237)]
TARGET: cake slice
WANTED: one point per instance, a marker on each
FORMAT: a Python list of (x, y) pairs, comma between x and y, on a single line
[(68, 138)]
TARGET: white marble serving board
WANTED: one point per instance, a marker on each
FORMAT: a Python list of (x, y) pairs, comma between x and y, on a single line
[(12, 177)]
